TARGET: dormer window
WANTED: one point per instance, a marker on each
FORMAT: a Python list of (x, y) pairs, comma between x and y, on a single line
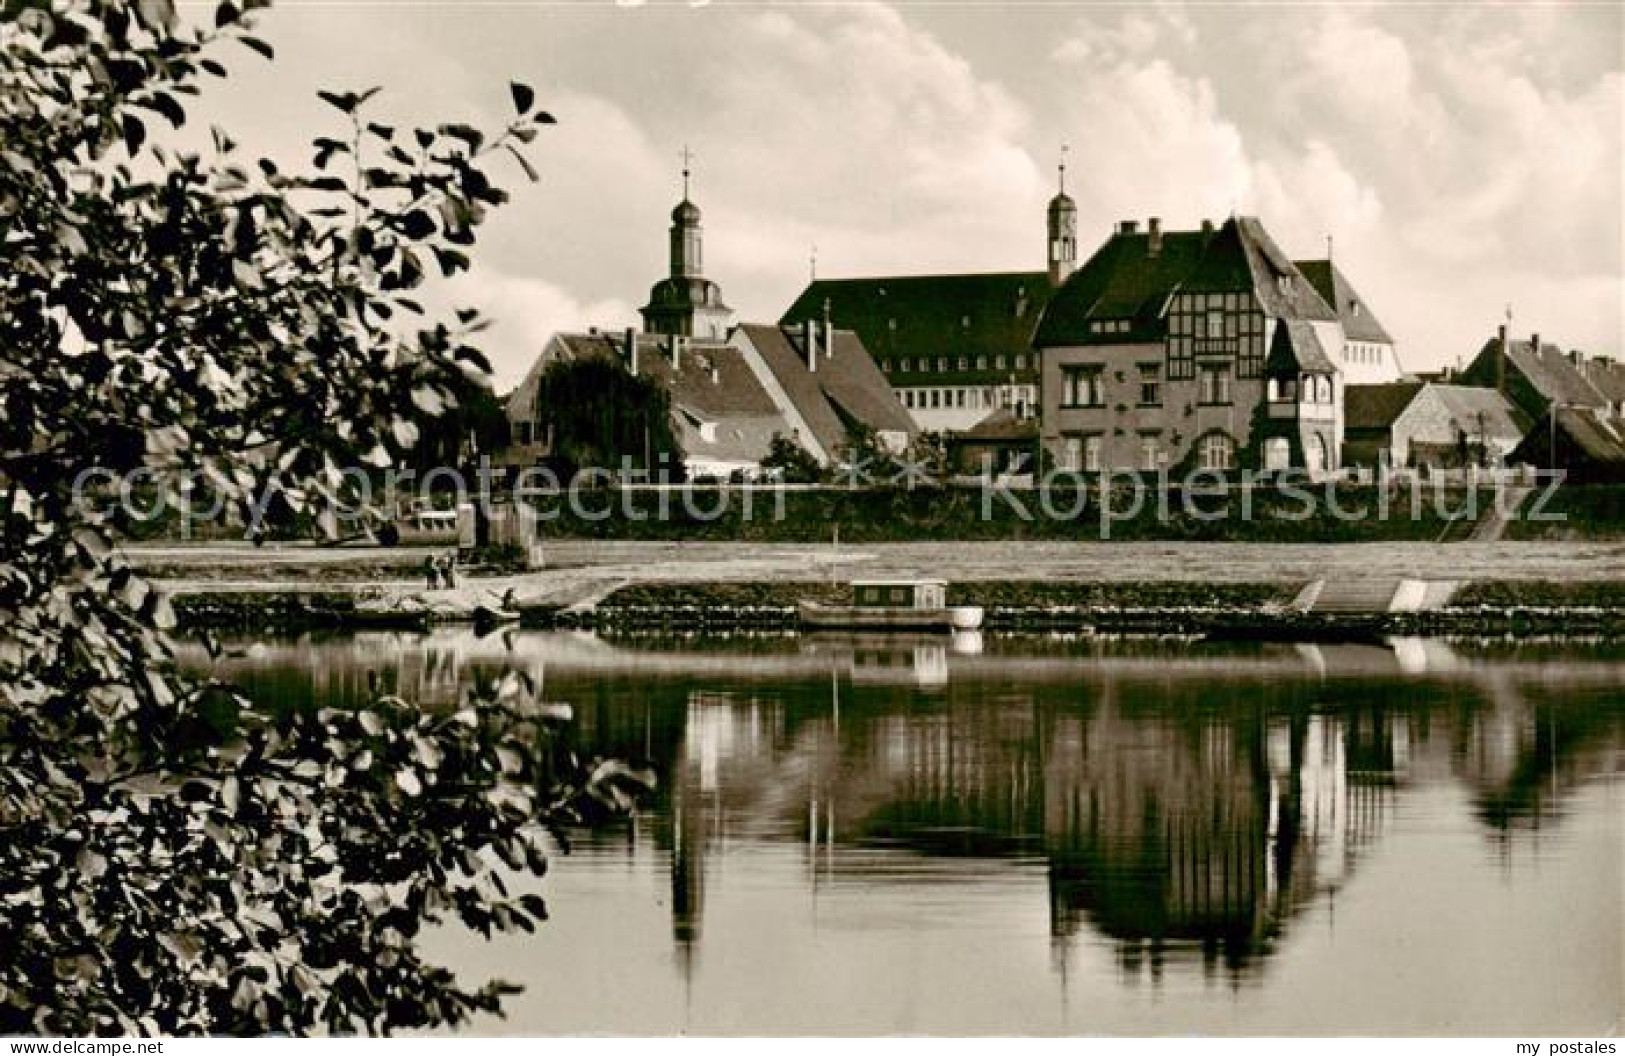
[(1283, 283)]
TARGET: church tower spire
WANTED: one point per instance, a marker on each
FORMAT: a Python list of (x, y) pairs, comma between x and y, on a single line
[(686, 250), (1063, 229), (686, 303)]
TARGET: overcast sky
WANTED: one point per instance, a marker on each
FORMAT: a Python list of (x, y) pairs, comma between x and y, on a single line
[(1461, 157)]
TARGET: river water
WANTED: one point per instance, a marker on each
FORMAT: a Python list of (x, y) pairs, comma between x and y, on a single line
[(1058, 835)]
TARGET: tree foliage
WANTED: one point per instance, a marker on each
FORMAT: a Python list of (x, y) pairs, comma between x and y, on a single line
[(172, 858), (596, 414), (789, 462)]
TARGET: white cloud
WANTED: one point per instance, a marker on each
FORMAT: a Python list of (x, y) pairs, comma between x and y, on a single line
[(526, 312)]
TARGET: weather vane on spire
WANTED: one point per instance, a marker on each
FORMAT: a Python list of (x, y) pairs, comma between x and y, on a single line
[(688, 159), (1064, 149), (812, 263)]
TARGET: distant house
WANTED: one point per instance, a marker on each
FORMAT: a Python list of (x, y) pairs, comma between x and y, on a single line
[(1210, 349), (1590, 448), (720, 413), (733, 389), (1004, 442), (825, 384), (1533, 374), (954, 347), (1428, 424)]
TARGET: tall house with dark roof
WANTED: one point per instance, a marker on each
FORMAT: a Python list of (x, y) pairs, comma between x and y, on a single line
[(957, 349), (1207, 349)]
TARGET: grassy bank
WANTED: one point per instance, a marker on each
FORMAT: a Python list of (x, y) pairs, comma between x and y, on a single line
[(1593, 513), (1540, 594)]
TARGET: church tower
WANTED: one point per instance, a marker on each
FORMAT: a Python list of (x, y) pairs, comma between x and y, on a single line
[(686, 303), (1063, 231)]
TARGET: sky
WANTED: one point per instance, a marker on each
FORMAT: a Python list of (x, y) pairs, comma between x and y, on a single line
[(1461, 158)]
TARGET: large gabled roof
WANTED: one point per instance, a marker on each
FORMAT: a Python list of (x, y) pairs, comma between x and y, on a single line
[(845, 389), (719, 406), (710, 378), (1359, 321), (1608, 377), (1126, 280), (1377, 406), (1122, 280), (1484, 412), (924, 316), (1599, 441), (1548, 370)]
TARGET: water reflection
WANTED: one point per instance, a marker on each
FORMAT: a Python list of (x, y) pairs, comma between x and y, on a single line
[(1184, 804)]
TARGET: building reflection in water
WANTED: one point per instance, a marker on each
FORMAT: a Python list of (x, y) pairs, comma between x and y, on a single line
[(1185, 808)]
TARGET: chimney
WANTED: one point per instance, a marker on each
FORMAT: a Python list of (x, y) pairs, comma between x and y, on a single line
[(1127, 227), (1534, 343), (1207, 228), (632, 351), (809, 335), (1501, 359), (1154, 228), (1578, 358)]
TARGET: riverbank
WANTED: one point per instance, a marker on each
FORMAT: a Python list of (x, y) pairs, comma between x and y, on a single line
[(1250, 610)]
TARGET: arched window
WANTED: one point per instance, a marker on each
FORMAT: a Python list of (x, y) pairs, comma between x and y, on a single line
[(1216, 451), (1323, 390), (1274, 390), (1277, 453)]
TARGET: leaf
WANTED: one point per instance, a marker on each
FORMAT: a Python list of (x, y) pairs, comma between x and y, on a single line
[(523, 97), (259, 45), (524, 164), (408, 782), (226, 14), (231, 794), (417, 224), (166, 105), (135, 133), (345, 102), (405, 431)]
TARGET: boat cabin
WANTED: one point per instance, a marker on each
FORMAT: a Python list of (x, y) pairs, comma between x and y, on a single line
[(900, 593)]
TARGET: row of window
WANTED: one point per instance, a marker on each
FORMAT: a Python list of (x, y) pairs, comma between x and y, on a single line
[(1082, 453), (1316, 388), (1085, 385), (943, 364), (972, 398), (1355, 352), (1109, 326)]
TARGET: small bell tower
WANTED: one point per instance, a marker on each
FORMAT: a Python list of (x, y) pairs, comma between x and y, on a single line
[(1063, 229)]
